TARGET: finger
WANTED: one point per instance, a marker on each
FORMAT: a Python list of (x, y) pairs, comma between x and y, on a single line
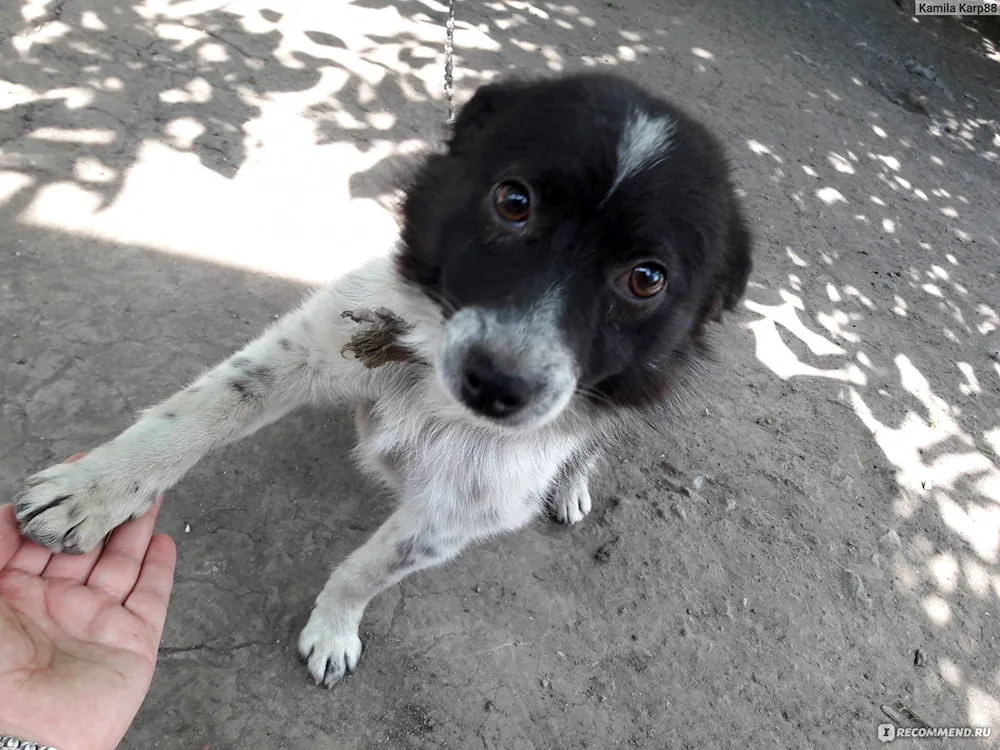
[(118, 567), (29, 558), (148, 600), (10, 537), (73, 567)]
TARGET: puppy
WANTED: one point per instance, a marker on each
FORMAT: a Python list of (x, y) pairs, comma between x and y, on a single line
[(558, 266)]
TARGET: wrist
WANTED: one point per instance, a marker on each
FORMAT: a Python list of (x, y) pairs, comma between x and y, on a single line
[(14, 736)]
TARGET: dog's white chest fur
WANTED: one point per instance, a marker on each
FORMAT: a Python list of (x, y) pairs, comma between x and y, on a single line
[(414, 436)]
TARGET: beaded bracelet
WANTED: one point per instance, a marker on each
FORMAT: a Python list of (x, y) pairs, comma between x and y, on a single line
[(13, 743)]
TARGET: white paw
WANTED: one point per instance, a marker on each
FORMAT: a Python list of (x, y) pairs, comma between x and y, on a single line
[(72, 507), (330, 646), (571, 502)]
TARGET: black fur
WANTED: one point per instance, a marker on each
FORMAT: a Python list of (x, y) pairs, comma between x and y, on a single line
[(409, 552), (560, 137), (243, 387)]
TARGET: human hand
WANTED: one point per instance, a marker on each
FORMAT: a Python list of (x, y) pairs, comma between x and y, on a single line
[(79, 634)]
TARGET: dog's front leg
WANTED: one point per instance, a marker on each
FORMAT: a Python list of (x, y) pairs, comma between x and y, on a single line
[(71, 507), (569, 497), (410, 540)]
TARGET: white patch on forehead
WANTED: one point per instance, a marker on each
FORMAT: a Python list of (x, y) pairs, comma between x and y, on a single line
[(643, 144)]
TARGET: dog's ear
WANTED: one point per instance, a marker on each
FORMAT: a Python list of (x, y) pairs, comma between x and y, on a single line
[(739, 263), (475, 115)]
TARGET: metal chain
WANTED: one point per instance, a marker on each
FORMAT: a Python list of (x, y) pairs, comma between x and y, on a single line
[(449, 60)]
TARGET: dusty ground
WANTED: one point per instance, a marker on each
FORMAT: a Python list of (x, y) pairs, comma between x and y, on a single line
[(173, 174)]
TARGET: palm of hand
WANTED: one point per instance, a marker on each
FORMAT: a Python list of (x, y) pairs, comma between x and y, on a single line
[(79, 634)]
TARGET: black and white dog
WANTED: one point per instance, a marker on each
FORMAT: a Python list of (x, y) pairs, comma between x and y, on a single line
[(558, 267)]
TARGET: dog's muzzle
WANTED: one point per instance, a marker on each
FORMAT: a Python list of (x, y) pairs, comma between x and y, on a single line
[(506, 367)]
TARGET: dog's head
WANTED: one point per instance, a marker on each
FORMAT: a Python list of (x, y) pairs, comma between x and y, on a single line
[(578, 233)]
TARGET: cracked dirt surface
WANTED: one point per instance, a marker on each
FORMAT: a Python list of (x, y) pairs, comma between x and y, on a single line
[(173, 175)]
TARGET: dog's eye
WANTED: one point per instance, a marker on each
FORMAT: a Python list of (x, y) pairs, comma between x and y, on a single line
[(647, 280), (512, 202)]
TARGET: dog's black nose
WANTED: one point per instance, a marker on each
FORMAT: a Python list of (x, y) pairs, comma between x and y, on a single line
[(489, 390)]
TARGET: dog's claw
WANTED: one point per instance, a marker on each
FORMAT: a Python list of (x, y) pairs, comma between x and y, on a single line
[(329, 651), (570, 503), (332, 676)]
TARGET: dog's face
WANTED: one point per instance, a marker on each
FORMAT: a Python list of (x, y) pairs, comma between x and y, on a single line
[(578, 234)]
